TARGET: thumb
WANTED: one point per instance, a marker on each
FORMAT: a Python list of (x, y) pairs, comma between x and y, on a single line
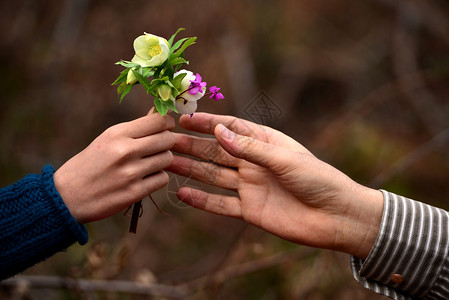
[(275, 158)]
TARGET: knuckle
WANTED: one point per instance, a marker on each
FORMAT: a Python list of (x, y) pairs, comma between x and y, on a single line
[(163, 160), (221, 207), (211, 171), (233, 120), (136, 190), (128, 174), (248, 145), (196, 196), (169, 138), (114, 130), (153, 121), (121, 151)]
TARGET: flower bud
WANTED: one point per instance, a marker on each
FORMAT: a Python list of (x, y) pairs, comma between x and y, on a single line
[(164, 92), (131, 78)]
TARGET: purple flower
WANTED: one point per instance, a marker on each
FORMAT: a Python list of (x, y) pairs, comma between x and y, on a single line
[(196, 85), (215, 94)]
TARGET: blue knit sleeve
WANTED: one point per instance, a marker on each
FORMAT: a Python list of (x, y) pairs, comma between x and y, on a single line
[(34, 223)]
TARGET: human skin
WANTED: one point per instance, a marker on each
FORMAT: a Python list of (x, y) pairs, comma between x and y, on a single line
[(119, 168), (281, 186)]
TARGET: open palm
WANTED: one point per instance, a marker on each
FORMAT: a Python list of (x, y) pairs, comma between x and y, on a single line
[(281, 186)]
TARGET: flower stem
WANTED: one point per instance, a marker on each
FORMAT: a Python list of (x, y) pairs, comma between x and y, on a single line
[(179, 96), (135, 217)]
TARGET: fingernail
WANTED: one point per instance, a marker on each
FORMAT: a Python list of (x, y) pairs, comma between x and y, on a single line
[(226, 133)]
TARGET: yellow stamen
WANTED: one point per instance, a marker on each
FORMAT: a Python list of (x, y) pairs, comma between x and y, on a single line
[(155, 50)]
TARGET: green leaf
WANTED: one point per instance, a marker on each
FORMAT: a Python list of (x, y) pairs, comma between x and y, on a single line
[(170, 41), (164, 110), (169, 72), (159, 80), (127, 64), (177, 81), (160, 106), (181, 61), (121, 87), (187, 43), (122, 77), (153, 88), (147, 72), (159, 69), (177, 61), (170, 84), (157, 104), (143, 81), (177, 45), (126, 91), (170, 104), (177, 68)]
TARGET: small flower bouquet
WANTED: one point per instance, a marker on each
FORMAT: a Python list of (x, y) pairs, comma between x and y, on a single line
[(156, 66)]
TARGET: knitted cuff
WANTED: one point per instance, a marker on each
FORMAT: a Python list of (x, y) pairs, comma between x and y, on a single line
[(35, 223), (78, 231)]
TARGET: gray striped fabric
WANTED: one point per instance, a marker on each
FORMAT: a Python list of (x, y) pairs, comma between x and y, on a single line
[(413, 241)]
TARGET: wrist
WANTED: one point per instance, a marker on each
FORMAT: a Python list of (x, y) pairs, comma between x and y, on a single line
[(363, 219), (63, 187)]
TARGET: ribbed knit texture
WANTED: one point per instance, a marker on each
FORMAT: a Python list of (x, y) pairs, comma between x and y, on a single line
[(413, 241), (34, 222)]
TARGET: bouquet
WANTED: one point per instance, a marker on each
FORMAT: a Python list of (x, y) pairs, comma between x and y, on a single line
[(156, 65)]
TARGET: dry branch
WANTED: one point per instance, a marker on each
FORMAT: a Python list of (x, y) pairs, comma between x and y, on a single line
[(130, 287), (170, 291)]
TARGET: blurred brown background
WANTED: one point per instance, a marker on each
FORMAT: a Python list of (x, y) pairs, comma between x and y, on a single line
[(362, 84)]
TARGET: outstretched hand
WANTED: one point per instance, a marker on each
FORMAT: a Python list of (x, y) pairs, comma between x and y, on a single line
[(120, 167), (282, 187)]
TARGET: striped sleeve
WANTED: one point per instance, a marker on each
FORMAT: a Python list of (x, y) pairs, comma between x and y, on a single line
[(409, 259)]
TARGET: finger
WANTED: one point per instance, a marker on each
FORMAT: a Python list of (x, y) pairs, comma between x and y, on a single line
[(217, 204), (205, 123), (147, 125), (154, 143), (277, 159), (154, 163), (154, 182), (137, 190), (205, 172), (204, 149)]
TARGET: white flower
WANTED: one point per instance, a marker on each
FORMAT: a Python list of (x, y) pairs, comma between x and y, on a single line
[(185, 85), (186, 107), (151, 50)]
